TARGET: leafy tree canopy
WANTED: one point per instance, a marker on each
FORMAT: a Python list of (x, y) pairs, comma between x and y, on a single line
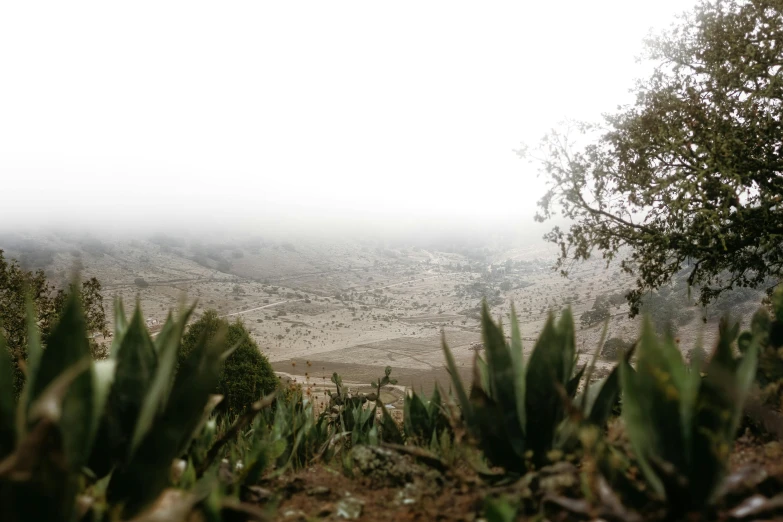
[(16, 284), (246, 375), (689, 176)]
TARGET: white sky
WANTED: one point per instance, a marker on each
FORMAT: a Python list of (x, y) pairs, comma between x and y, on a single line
[(226, 112)]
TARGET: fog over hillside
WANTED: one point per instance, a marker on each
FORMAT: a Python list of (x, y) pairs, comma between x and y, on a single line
[(267, 117)]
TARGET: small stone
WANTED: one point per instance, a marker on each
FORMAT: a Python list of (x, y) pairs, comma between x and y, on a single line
[(350, 508), (257, 494), (773, 450), (318, 491), (295, 514), (325, 511)]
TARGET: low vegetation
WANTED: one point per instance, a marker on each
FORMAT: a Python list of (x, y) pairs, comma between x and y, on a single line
[(246, 374), (24, 290), (138, 435), (191, 424)]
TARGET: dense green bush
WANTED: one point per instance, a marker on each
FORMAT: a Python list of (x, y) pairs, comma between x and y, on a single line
[(246, 375), (614, 348)]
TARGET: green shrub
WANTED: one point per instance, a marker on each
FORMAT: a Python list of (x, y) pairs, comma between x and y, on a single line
[(614, 348), (247, 374), (598, 314)]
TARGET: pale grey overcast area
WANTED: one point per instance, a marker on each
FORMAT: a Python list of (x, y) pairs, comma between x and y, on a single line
[(266, 115)]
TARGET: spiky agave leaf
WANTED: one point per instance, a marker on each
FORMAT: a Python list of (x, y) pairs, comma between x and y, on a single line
[(768, 332), (602, 404), (680, 424), (390, 432), (435, 403), (459, 388), (37, 480), (491, 433), (655, 416), (34, 353), (68, 346), (717, 412), (7, 401), (518, 366), (147, 473), (423, 417), (415, 417), (514, 410), (103, 378), (594, 407), (482, 373), (502, 380), (548, 372), (120, 327), (572, 385), (136, 363), (168, 345)]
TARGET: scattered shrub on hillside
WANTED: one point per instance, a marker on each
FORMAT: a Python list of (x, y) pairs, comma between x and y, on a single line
[(166, 240), (246, 375), (94, 247), (598, 314), (614, 348), (734, 302), (223, 266), (668, 309)]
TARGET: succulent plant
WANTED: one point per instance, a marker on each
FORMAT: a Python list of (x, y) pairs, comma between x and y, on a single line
[(768, 331), (423, 419), (515, 409), (55, 420), (681, 424), (130, 415), (383, 381)]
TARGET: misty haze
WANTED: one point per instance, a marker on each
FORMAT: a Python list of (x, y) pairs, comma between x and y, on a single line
[(420, 261)]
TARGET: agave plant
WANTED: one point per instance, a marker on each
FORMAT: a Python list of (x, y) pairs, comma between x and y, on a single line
[(130, 415), (389, 430), (424, 421), (48, 432), (768, 332), (515, 409), (352, 418), (681, 424), (294, 422), (170, 407)]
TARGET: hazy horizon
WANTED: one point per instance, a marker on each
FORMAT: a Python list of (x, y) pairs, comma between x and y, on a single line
[(325, 117)]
